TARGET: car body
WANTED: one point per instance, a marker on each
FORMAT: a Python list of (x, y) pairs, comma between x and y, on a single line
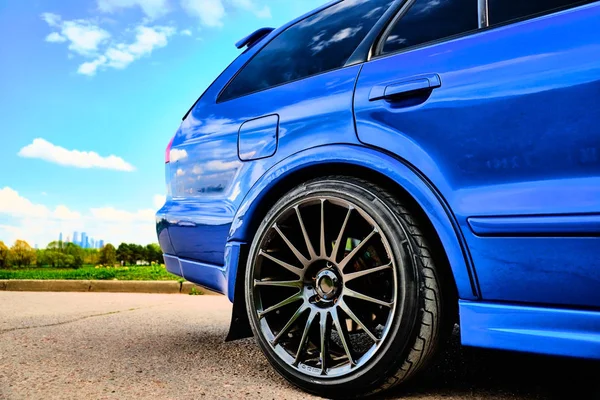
[(491, 128)]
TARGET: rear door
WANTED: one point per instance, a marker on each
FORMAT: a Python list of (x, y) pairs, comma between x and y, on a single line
[(504, 121)]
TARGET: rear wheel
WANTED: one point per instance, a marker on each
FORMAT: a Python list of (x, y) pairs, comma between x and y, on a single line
[(342, 294)]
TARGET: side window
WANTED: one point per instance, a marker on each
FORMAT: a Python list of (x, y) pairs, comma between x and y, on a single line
[(506, 10), (319, 43), (430, 20)]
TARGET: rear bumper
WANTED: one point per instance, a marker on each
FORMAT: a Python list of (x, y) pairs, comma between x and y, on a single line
[(214, 277)]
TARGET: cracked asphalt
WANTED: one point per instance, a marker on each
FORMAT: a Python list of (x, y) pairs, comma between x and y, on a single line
[(141, 346)]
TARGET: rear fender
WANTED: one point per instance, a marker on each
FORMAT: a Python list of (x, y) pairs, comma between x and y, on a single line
[(405, 176)]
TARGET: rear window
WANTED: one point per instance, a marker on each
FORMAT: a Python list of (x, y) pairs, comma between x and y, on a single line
[(317, 44)]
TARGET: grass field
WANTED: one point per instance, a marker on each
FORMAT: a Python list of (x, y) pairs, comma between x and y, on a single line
[(142, 273)]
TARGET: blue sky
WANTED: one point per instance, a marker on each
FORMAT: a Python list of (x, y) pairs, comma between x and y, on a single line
[(91, 91)]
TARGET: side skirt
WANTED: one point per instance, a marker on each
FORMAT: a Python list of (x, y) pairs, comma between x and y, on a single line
[(553, 331)]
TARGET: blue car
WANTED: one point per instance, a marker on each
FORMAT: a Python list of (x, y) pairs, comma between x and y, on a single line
[(372, 173)]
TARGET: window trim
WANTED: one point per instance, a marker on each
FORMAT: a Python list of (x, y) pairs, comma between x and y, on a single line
[(483, 9), (378, 27)]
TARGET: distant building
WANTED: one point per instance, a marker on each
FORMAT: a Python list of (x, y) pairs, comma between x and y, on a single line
[(84, 240), (68, 239), (60, 237), (76, 238), (100, 243)]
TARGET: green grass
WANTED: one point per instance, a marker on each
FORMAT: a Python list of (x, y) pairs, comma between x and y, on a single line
[(150, 273)]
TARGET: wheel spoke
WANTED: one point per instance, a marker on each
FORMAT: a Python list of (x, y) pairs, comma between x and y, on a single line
[(353, 275), (289, 324), (325, 331), (353, 253), (336, 247), (296, 284), (350, 314), (340, 326), (322, 240), (309, 245), (289, 267), (289, 300), (293, 248), (309, 321), (357, 295)]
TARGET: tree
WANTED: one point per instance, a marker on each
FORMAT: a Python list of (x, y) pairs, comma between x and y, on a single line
[(91, 256), (137, 253), (22, 254), (108, 255), (74, 255), (123, 253), (154, 253), (4, 253)]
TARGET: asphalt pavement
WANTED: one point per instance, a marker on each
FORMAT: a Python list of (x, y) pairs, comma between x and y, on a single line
[(152, 346)]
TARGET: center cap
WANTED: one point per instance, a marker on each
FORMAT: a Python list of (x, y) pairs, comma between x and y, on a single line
[(327, 284)]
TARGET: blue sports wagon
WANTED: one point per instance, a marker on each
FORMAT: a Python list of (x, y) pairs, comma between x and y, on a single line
[(370, 174)]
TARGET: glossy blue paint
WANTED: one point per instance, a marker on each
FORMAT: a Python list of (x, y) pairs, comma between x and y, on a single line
[(556, 331), (494, 134), (537, 225), (173, 265), (258, 138), (512, 131)]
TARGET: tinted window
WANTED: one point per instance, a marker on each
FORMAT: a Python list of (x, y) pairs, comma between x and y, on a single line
[(429, 20), (322, 42), (505, 10)]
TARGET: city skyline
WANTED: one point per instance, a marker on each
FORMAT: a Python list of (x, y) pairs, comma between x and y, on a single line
[(86, 242)]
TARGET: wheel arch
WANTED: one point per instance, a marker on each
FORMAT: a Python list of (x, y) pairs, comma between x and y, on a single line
[(354, 161)]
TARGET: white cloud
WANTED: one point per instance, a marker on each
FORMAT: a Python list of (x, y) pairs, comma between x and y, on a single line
[(21, 218), (63, 213), (55, 37), (13, 204), (249, 5), (186, 32), (44, 150), (120, 55), (51, 19), (177, 154), (89, 68), (319, 45), (210, 12), (84, 36), (218, 165), (152, 8)]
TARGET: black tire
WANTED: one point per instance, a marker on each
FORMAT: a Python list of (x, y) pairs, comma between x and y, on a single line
[(416, 326)]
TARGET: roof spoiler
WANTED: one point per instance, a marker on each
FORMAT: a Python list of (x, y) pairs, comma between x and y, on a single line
[(254, 37)]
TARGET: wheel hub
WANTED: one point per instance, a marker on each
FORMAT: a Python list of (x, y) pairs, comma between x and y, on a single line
[(327, 284)]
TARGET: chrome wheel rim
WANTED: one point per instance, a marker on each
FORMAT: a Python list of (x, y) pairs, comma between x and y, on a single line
[(324, 286)]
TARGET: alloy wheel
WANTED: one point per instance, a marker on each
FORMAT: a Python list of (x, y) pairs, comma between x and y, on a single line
[(324, 286)]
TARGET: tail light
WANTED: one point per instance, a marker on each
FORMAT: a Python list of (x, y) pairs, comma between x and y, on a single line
[(168, 151)]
